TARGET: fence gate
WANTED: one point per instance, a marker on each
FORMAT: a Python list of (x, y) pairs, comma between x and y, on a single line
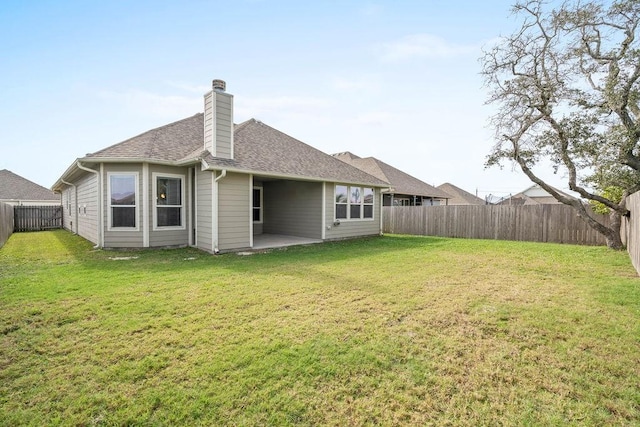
[(37, 218)]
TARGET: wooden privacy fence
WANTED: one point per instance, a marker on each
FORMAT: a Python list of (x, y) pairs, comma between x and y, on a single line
[(37, 218), (535, 223), (631, 230), (6, 222)]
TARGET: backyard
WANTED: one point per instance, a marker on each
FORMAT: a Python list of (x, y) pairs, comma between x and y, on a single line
[(395, 330)]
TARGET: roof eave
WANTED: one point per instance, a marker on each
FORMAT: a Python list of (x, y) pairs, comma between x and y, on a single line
[(292, 176), (97, 160)]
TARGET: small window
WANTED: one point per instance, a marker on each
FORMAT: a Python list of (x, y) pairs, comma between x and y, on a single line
[(341, 202), (257, 204), (169, 201), (368, 203), (355, 203), (122, 200)]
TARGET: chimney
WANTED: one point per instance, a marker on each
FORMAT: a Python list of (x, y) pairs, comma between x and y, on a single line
[(219, 85), (218, 121)]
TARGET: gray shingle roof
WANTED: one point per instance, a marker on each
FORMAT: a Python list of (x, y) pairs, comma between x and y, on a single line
[(460, 196), (401, 182), (258, 149), (170, 142), (15, 187)]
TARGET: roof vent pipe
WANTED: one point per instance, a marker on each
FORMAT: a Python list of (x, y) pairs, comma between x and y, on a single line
[(219, 85)]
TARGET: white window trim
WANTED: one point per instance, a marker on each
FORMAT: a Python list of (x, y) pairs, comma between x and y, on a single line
[(154, 178), (137, 205), (261, 205), (348, 204)]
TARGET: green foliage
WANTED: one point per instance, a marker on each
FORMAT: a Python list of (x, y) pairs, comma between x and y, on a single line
[(612, 193), (566, 85), (386, 331)]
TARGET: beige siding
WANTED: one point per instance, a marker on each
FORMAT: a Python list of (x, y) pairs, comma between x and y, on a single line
[(350, 228), (87, 207), (293, 208), (233, 212), (218, 124), (69, 208), (224, 125), (208, 122), (122, 238), (204, 213), (168, 237)]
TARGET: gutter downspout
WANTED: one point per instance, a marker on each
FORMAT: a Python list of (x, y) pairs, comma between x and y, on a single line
[(75, 198), (99, 205), (216, 195)]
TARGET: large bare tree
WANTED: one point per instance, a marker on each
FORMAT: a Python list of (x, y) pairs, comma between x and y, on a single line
[(567, 89)]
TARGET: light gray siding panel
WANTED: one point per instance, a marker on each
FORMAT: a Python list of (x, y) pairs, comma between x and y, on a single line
[(350, 228), (218, 124), (233, 212), (224, 125), (293, 208), (170, 237), (204, 215), (122, 238), (257, 228), (68, 208), (87, 207), (208, 121)]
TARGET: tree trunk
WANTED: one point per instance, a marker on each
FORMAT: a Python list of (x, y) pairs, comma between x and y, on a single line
[(614, 239)]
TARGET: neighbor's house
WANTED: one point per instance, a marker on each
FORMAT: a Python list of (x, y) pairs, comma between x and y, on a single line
[(205, 182), (460, 197), (405, 190), (534, 195), (18, 191)]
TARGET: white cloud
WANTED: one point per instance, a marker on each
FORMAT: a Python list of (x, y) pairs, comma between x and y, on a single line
[(375, 118), (422, 46), (362, 83), (189, 87), (150, 104), (251, 107)]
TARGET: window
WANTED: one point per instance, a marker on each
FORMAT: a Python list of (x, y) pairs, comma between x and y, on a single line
[(169, 204), (341, 202), (354, 202), (69, 201), (123, 199), (257, 204), (368, 203)]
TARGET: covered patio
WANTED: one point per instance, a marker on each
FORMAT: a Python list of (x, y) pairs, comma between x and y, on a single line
[(269, 241)]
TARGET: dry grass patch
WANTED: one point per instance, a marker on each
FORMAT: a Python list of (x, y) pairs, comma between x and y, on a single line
[(392, 331)]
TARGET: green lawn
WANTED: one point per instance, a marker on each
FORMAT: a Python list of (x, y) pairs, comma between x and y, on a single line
[(386, 331)]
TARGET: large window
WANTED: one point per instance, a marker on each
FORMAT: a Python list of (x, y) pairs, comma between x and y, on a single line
[(257, 204), (123, 200), (169, 204), (354, 202)]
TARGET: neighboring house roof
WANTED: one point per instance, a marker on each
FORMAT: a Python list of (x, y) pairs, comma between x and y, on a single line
[(401, 182), (15, 187), (534, 195), (460, 196), (258, 149)]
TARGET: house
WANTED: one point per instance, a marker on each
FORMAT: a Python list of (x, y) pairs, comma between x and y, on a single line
[(405, 189), (534, 195), (209, 183), (460, 196), (18, 191)]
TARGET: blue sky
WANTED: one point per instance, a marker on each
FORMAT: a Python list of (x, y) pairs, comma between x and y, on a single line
[(397, 80)]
